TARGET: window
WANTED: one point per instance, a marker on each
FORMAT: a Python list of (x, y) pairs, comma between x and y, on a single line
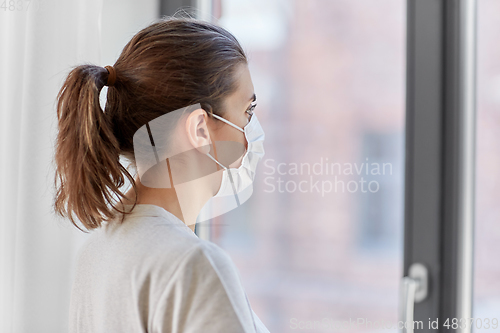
[(310, 244)]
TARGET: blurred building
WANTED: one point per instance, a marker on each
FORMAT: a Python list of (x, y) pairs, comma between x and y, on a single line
[(314, 241)]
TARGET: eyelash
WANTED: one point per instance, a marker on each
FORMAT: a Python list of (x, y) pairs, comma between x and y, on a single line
[(251, 108)]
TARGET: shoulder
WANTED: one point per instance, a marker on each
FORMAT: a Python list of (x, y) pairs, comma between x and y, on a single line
[(217, 257), (148, 237), (212, 260), (150, 248), (207, 273), (217, 274)]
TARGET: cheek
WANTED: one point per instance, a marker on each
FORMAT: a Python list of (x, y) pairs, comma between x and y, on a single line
[(226, 133), (226, 150), (239, 137), (229, 133)]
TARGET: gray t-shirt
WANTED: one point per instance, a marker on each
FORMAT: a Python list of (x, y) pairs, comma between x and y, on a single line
[(153, 274)]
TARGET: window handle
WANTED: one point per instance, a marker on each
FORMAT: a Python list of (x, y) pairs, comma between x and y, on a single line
[(414, 289)]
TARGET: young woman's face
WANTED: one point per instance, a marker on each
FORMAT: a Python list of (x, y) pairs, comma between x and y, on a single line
[(236, 106)]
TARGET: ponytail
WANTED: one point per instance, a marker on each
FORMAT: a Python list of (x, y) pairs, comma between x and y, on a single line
[(88, 170)]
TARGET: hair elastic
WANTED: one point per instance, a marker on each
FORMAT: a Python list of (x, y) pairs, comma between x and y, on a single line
[(111, 76)]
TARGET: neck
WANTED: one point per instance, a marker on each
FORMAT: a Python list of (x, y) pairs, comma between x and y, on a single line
[(165, 198), (185, 201)]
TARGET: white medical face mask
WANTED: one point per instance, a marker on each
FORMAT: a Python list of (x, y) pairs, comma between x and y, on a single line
[(237, 183)]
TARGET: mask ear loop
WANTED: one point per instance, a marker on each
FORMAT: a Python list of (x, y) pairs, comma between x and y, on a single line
[(227, 122), (230, 178), (226, 169), (215, 153)]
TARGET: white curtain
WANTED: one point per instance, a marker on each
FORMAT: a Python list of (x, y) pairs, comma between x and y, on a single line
[(38, 45)]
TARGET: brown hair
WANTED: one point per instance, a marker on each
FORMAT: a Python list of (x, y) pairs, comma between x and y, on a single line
[(172, 63)]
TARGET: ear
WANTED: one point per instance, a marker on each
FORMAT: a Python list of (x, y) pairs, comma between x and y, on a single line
[(197, 130)]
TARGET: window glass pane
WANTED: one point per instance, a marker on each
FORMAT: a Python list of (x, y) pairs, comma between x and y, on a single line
[(321, 237), (486, 303)]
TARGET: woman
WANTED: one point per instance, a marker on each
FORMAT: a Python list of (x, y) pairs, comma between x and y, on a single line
[(143, 269)]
